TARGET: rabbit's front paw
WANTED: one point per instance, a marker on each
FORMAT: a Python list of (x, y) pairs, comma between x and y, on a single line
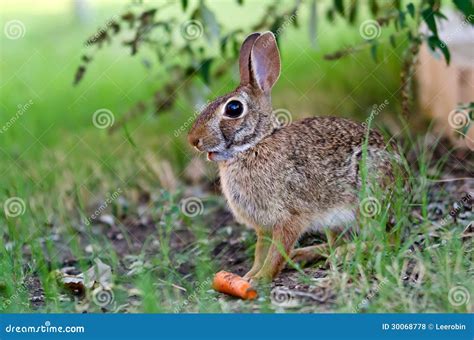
[(250, 274), (260, 278)]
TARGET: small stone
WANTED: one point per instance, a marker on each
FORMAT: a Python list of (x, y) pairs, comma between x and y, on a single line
[(37, 298)]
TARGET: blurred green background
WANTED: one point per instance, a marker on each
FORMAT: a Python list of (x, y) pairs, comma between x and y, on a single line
[(40, 67)]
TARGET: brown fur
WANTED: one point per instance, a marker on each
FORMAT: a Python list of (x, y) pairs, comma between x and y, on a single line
[(283, 181)]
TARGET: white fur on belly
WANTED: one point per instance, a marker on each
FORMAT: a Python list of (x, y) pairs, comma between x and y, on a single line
[(333, 218)]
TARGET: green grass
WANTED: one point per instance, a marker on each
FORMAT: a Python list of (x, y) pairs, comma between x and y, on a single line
[(63, 168)]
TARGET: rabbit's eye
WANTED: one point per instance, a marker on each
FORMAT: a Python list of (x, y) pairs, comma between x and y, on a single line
[(234, 109)]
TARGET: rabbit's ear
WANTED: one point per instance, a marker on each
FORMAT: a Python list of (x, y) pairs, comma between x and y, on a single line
[(244, 58), (265, 61)]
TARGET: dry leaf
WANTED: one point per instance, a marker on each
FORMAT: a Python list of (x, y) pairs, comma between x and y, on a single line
[(73, 283), (100, 273)]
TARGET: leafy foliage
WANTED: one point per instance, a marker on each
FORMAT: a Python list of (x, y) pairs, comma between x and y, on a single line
[(406, 20), (180, 44), (183, 54)]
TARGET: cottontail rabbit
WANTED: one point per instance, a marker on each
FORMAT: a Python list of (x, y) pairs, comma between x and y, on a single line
[(282, 181)]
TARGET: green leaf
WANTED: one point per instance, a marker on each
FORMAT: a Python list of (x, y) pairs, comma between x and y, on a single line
[(353, 12), (374, 7), (195, 14), (295, 18), (81, 70), (184, 5), (440, 15), (444, 49), (466, 7), (392, 40), (432, 43), (128, 137), (223, 44), (430, 21), (236, 46), (276, 26), (435, 43), (330, 15), (411, 10), (466, 128), (205, 70), (373, 51), (339, 5), (401, 19)]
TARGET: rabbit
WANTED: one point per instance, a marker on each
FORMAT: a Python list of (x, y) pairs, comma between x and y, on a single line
[(283, 180)]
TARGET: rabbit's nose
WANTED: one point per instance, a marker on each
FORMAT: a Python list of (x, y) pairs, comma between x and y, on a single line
[(195, 141)]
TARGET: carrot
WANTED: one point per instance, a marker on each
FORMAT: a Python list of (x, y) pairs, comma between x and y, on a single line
[(232, 284)]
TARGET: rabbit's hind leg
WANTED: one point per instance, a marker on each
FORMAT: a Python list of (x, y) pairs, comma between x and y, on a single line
[(318, 251), (311, 253)]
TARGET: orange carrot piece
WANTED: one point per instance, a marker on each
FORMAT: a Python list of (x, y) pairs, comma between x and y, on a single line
[(232, 284)]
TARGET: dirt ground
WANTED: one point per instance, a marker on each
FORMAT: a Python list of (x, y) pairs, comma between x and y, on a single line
[(229, 247)]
